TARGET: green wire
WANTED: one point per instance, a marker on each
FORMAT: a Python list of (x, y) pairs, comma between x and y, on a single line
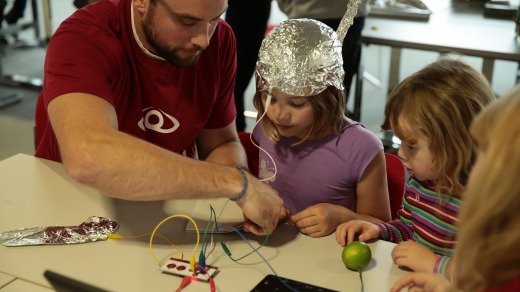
[(227, 251), (212, 211)]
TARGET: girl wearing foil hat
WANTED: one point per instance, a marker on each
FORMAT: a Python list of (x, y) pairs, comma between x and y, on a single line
[(328, 169)]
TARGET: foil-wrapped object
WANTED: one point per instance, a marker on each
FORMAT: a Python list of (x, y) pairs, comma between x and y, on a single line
[(303, 56), (300, 57), (93, 229), (347, 19)]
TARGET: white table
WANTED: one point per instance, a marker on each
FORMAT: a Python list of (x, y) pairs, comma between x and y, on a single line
[(452, 27), (36, 192), (460, 28)]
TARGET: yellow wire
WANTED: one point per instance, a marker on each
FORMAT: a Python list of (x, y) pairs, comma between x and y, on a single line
[(168, 218), (118, 236)]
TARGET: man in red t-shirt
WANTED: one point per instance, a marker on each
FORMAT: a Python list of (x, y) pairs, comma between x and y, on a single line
[(135, 90)]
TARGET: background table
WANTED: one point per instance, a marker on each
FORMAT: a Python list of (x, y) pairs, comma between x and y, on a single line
[(36, 192), (460, 28), (452, 27)]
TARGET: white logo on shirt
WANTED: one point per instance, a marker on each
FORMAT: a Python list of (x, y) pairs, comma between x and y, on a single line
[(146, 124)]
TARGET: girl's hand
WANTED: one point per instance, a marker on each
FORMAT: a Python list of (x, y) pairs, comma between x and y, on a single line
[(318, 220), (284, 215), (346, 232), (427, 282), (415, 256)]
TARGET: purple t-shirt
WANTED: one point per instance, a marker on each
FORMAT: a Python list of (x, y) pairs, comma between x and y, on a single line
[(321, 171)]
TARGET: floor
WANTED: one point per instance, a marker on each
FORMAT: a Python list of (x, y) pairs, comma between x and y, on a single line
[(17, 120)]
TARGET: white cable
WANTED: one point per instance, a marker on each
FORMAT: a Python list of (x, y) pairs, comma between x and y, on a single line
[(267, 103)]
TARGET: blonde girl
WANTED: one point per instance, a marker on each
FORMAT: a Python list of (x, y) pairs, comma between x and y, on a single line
[(486, 257), (431, 112)]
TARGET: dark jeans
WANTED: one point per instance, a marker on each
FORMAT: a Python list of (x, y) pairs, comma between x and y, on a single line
[(249, 22), (14, 14), (3, 3)]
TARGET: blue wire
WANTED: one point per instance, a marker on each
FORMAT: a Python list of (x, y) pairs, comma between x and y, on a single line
[(214, 215), (264, 259), (215, 227)]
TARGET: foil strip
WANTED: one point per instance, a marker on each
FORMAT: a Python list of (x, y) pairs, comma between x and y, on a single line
[(93, 229), (348, 19)]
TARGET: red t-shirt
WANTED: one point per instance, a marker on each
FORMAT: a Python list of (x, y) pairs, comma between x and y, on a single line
[(94, 51)]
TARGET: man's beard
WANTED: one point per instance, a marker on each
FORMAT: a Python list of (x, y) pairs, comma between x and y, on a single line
[(170, 55)]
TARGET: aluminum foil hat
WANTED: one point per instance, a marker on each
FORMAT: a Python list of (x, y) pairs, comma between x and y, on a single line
[(303, 56)]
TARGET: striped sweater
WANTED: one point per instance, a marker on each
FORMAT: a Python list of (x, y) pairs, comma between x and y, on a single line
[(427, 219)]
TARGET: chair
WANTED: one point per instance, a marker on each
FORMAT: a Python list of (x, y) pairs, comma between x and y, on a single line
[(395, 174), (395, 177)]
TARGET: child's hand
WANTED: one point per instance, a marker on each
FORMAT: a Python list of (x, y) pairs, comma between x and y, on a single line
[(427, 282), (318, 220), (415, 256), (345, 232), (284, 214)]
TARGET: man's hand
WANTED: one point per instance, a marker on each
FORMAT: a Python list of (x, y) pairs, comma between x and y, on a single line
[(261, 206)]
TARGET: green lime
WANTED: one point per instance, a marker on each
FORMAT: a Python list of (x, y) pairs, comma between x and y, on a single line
[(356, 255)]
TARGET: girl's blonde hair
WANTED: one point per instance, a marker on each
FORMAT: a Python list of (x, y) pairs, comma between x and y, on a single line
[(441, 101), (329, 114), (489, 236)]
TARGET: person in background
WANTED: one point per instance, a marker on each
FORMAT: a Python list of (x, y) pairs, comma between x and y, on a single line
[(138, 102), (249, 20), (431, 112), (15, 13), (327, 168), (486, 257), (3, 4), (330, 13), (11, 18), (82, 3)]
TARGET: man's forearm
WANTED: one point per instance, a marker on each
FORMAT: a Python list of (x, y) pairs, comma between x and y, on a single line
[(229, 154), (128, 168)]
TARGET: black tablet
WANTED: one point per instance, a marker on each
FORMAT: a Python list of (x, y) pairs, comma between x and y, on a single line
[(273, 283), (62, 283)]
